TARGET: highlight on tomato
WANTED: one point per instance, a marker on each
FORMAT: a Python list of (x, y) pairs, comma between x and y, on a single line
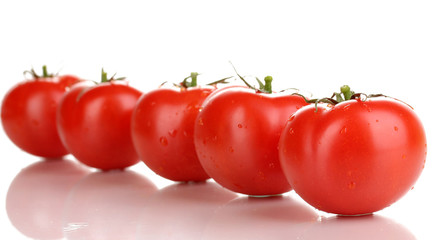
[(353, 154), (236, 137), (94, 122), (28, 113), (162, 129)]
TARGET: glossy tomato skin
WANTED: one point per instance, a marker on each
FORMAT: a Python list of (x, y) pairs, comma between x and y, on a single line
[(94, 124), (355, 157), (29, 115), (163, 129), (236, 137)]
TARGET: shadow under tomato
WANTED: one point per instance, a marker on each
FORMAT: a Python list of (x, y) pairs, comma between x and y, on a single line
[(106, 205), (181, 210), (36, 197)]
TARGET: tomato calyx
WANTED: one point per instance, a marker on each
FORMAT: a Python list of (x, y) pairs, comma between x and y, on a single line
[(221, 81), (185, 84), (35, 75), (345, 94), (192, 83), (104, 77), (264, 87)]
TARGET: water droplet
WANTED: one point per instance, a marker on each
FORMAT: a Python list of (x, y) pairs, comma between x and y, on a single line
[(261, 175), (239, 125), (271, 165), (291, 117), (200, 122), (344, 130), (163, 141), (291, 131), (395, 128), (352, 185), (172, 132), (152, 103)]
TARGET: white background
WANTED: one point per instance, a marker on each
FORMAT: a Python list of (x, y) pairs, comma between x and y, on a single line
[(389, 47)]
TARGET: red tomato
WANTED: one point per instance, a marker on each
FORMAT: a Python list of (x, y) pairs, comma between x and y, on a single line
[(356, 157), (94, 124), (29, 114), (162, 131), (236, 137)]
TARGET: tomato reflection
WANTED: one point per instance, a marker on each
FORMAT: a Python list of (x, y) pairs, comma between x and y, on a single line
[(36, 197), (280, 217), (106, 205), (182, 210)]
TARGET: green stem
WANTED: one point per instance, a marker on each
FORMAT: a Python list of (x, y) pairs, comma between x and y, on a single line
[(346, 91), (45, 73), (194, 76), (267, 86), (104, 77)]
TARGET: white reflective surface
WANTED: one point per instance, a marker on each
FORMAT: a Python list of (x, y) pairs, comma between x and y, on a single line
[(62, 199)]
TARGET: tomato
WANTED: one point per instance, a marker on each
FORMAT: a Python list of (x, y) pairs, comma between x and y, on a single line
[(29, 114), (236, 136), (94, 124), (356, 157), (163, 128)]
